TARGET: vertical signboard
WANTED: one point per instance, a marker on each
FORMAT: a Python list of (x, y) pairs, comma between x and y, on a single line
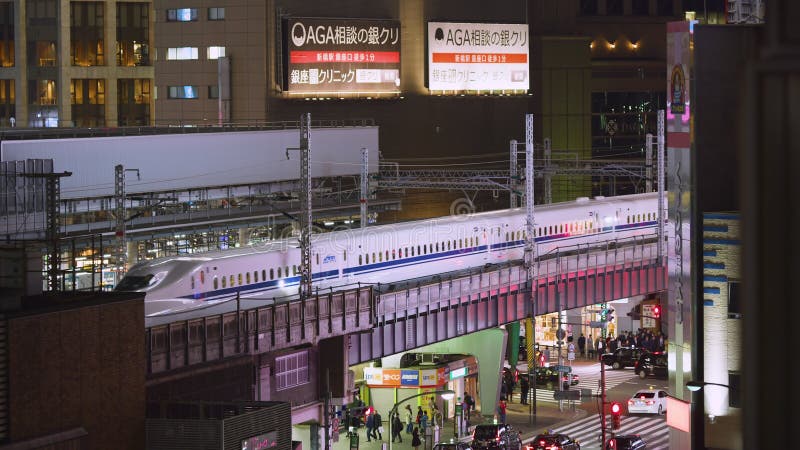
[(478, 56), (342, 56), (679, 179)]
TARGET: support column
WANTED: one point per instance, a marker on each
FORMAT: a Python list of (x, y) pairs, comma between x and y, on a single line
[(244, 237), (132, 253)]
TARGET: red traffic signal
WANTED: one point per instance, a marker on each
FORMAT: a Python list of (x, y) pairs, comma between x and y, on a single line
[(657, 311), (616, 410)]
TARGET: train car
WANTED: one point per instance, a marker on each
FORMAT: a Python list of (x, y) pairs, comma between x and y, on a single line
[(381, 254)]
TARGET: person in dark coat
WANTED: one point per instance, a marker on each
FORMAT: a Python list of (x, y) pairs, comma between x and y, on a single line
[(524, 385), (376, 427), (397, 428), (415, 441), (370, 426)]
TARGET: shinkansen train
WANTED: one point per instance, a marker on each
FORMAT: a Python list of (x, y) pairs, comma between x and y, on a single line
[(382, 254)]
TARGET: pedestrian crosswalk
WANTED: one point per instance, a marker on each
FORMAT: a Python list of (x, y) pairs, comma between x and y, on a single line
[(653, 430), (589, 379)]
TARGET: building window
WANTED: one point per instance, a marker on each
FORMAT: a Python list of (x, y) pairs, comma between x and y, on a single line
[(215, 52), (181, 53), (7, 34), (182, 92), (734, 302), (182, 15), (133, 34), (88, 92), (216, 13), (640, 7), (615, 7), (86, 34), (213, 91), (291, 370), (664, 8), (588, 8)]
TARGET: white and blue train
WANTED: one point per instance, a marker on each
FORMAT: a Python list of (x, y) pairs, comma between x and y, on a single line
[(382, 254)]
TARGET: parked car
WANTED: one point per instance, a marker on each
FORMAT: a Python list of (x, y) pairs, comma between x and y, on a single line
[(452, 446), (648, 401), (495, 437), (626, 442), (553, 441), (548, 377), (622, 357), (651, 365)]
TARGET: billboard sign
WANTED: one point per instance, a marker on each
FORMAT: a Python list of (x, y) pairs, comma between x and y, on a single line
[(342, 55), (409, 378), (478, 56), (373, 376)]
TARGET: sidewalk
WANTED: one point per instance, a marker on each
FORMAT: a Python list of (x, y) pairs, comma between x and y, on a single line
[(517, 415)]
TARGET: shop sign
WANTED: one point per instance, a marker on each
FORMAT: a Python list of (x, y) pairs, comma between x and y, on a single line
[(342, 55), (373, 376), (478, 56), (458, 373), (409, 378), (262, 441), (428, 377), (391, 377)]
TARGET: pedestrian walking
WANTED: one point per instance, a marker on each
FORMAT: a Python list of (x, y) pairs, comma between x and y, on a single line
[(582, 346), (501, 411), (469, 404), (370, 426), (423, 423), (570, 353), (377, 427), (590, 347), (524, 386), (419, 414), (415, 441), (397, 428), (409, 420)]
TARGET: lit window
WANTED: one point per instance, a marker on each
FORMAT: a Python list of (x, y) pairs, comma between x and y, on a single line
[(216, 13), (182, 15), (255, 276), (215, 283), (246, 277), (215, 52), (360, 259), (181, 53), (182, 92)]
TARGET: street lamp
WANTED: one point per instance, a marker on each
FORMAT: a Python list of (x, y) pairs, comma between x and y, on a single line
[(446, 394), (695, 386)]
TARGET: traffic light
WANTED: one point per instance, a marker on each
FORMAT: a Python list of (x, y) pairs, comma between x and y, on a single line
[(541, 359), (616, 410), (657, 311)]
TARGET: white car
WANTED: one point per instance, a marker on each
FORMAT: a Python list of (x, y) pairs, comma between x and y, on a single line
[(648, 401)]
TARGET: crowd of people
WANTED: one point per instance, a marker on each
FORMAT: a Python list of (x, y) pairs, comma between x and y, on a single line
[(595, 346), (414, 424)]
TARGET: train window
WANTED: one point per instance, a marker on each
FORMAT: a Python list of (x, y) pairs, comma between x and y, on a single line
[(344, 255), (215, 283), (418, 250), (202, 277), (255, 276), (437, 246), (448, 245), (264, 274), (247, 277), (224, 282), (286, 270), (498, 231), (239, 282), (294, 269), (317, 258), (279, 272), (272, 274), (233, 280), (387, 254), (367, 258), (380, 256), (507, 239), (374, 258), (360, 259), (394, 254), (192, 279)]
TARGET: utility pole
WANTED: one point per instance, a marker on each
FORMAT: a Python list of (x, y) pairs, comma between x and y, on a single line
[(364, 185), (661, 185), (603, 403), (120, 213), (305, 204), (53, 193), (513, 176), (648, 162), (530, 252), (548, 175)]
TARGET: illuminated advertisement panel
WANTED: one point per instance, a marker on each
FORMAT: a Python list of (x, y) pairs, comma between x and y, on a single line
[(342, 55), (477, 56)]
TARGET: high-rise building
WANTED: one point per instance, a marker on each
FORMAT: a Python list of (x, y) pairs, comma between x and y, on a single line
[(75, 63)]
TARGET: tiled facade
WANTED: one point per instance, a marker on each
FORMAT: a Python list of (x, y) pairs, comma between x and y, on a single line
[(722, 323)]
